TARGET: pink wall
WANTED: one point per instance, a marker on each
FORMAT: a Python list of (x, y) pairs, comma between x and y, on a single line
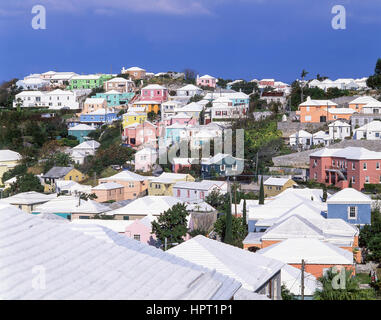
[(160, 95), (206, 82), (141, 134)]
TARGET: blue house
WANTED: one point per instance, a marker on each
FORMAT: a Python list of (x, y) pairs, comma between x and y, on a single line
[(115, 98), (175, 132), (350, 205), (80, 131), (222, 165), (99, 117)]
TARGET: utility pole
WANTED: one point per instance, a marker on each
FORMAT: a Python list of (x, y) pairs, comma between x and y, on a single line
[(302, 280), (235, 198)]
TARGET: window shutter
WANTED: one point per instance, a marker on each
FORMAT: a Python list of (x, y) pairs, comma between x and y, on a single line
[(357, 210), (348, 212)]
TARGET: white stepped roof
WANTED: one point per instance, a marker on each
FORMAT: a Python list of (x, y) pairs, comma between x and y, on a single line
[(301, 134), (364, 100), (189, 87), (310, 102), (91, 144), (348, 196), (251, 269), (95, 100), (81, 127), (371, 126), (207, 77), (125, 176), (115, 225), (9, 155), (30, 197), (313, 251), (339, 123), (291, 278), (354, 153), (154, 87), (341, 110), (276, 181), (154, 205), (108, 186), (86, 265), (135, 69)]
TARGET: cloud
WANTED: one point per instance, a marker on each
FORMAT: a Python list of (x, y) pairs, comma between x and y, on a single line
[(170, 7)]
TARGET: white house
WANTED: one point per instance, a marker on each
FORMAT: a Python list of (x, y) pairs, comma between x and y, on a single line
[(197, 191), (56, 99), (339, 130), (301, 138), (189, 90), (32, 84), (370, 131), (320, 137), (81, 151), (168, 108), (145, 159)]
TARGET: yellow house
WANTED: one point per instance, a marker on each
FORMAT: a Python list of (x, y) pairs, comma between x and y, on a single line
[(148, 105), (133, 117), (274, 186), (8, 160), (163, 185), (61, 173)]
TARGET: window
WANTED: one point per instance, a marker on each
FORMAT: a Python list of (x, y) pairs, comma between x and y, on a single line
[(353, 179), (234, 167), (366, 179), (353, 166), (307, 118), (315, 162), (188, 193), (378, 166), (333, 163), (137, 237), (126, 217), (352, 212), (315, 176), (364, 166), (178, 193), (84, 217), (222, 167)]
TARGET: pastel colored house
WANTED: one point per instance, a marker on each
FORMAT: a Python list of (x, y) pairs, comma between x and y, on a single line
[(130, 118), (115, 98), (340, 113), (189, 90), (137, 134), (339, 166), (319, 256), (274, 186), (321, 138), (192, 110), (80, 131), (154, 92), (81, 151), (163, 185), (145, 159), (258, 273), (135, 72), (134, 184), (175, 132), (370, 131), (339, 130), (99, 117), (350, 205), (61, 173), (168, 109), (8, 160), (358, 103), (206, 81), (119, 84), (94, 104), (141, 230), (221, 165), (109, 191), (315, 110), (148, 105), (91, 81), (301, 138), (198, 191)]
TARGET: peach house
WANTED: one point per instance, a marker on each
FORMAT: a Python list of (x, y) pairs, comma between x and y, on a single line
[(119, 84), (141, 133), (94, 104), (135, 72), (134, 184), (315, 110), (358, 103), (154, 92), (319, 256), (206, 81), (108, 192)]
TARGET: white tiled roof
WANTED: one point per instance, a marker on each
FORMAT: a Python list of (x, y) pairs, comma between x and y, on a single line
[(91, 144), (363, 100), (79, 265), (341, 110), (154, 87), (349, 195), (310, 102), (115, 225), (202, 185), (9, 155), (339, 123), (371, 126), (29, 198), (291, 278), (246, 267), (95, 100), (276, 181), (125, 176), (354, 153), (81, 127), (107, 186), (313, 251)]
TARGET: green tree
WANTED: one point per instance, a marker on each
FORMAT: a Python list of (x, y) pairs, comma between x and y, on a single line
[(374, 81), (228, 225), (216, 200), (171, 225), (20, 169), (286, 294), (239, 231), (352, 290), (303, 75), (25, 183), (244, 212), (261, 193)]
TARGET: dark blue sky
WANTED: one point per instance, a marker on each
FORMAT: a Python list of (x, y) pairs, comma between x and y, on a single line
[(225, 38)]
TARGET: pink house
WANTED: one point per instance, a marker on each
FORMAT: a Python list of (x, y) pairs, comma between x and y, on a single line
[(206, 81), (141, 133), (180, 118), (141, 229), (154, 92), (145, 159)]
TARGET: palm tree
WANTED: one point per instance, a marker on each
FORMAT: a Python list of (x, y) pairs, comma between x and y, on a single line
[(303, 75), (352, 290)]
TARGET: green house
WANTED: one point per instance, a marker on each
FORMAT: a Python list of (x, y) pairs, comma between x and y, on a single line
[(90, 81)]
